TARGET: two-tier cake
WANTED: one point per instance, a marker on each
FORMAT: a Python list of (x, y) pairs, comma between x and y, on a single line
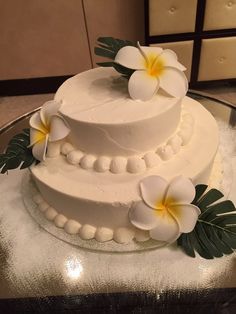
[(90, 181)]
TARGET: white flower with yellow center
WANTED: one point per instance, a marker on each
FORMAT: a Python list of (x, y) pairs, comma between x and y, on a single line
[(155, 68), (166, 210), (46, 126)]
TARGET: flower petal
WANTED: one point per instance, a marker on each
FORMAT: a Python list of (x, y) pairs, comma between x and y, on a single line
[(36, 136), (142, 86), (151, 50), (181, 190), (58, 128), (167, 228), (174, 82), (170, 60), (130, 57), (186, 215), (36, 123), (39, 149), (49, 109), (153, 189), (142, 216)]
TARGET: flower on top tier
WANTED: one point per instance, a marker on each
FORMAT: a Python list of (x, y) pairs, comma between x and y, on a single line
[(155, 68), (46, 126), (166, 209)]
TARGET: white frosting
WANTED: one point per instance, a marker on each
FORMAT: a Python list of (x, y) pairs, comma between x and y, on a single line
[(50, 213), (142, 235), (66, 148), (87, 232), (53, 149), (102, 164), (60, 221), (134, 164), (124, 235), (104, 120), (43, 206), (102, 199), (72, 226), (74, 157), (118, 165), (87, 161), (104, 234)]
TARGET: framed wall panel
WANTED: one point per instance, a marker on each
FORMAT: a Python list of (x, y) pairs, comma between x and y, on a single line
[(213, 36)]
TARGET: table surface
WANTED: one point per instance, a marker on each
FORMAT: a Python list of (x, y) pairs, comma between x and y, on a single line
[(41, 274)]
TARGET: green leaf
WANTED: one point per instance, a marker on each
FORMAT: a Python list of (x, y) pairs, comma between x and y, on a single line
[(215, 231), (186, 244), (27, 163), (219, 208), (105, 64), (208, 198), (104, 53), (17, 153), (108, 48), (200, 189)]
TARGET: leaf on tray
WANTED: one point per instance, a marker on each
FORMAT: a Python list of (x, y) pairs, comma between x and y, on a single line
[(18, 153), (215, 232)]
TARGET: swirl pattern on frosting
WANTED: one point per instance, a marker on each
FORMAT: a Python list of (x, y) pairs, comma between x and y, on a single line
[(133, 164)]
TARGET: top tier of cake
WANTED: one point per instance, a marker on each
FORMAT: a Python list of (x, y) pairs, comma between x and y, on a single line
[(104, 120)]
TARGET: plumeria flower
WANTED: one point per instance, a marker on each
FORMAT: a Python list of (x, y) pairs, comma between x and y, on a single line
[(155, 68), (46, 126), (166, 209)]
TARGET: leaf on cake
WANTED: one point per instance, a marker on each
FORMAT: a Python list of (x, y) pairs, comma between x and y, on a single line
[(17, 153), (215, 232), (108, 47)]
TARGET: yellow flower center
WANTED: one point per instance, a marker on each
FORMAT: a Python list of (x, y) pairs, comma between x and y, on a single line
[(39, 136), (163, 208), (154, 65)]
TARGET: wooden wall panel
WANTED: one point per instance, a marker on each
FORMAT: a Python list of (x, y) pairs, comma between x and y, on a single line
[(118, 18), (40, 38)]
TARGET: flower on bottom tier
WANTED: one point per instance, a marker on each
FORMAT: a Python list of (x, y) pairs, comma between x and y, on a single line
[(46, 126), (166, 209)]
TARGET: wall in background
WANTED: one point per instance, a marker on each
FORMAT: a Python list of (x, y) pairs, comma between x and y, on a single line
[(41, 38)]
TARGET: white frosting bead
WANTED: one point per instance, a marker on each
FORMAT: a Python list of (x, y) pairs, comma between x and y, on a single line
[(184, 125), (53, 149), (102, 164), (103, 234), (50, 213), (118, 165), (87, 232), (165, 152), (72, 226), (87, 161), (66, 148), (136, 165), (187, 118), (37, 198), (185, 135), (175, 143), (74, 157), (151, 159), (123, 235), (60, 221), (141, 235), (43, 206)]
